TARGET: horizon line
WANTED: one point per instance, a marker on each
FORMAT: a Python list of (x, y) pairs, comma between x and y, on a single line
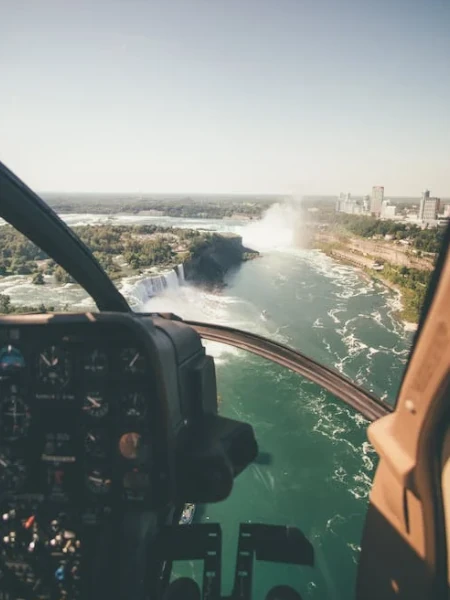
[(249, 194), (140, 193)]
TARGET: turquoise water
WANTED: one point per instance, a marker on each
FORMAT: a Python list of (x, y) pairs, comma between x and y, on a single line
[(322, 466)]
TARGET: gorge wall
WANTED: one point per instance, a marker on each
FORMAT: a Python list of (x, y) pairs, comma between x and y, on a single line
[(210, 263), (207, 267)]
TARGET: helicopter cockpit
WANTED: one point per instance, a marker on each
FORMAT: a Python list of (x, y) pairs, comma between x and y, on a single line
[(109, 425), (100, 418)]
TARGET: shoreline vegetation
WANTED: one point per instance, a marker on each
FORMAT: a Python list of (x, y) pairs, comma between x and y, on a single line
[(410, 298), (399, 254), (407, 310), (398, 268)]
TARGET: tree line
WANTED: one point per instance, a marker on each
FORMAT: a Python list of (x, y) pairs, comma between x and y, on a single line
[(184, 208), (140, 246), (424, 240)]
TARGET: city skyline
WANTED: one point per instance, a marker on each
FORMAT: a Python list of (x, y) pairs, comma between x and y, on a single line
[(254, 97)]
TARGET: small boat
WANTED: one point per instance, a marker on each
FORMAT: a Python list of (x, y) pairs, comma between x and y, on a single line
[(377, 266), (264, 315), (187, 516)]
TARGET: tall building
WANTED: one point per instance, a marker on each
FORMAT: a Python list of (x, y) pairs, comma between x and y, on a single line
[(425, 197), (376, 200), (366, 204), (430, 209)]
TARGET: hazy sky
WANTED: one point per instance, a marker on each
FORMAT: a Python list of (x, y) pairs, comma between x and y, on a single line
[(284, 96)]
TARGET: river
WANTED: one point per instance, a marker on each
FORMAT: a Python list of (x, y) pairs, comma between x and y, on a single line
[(322, 466)]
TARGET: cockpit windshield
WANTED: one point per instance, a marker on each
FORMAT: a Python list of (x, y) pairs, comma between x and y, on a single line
[(276, 271)]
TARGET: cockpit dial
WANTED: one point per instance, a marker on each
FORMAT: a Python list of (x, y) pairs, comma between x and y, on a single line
[(96, 443), (129, 445), (54, 366), (11, 359), (15, 415), (12, 471), (132, 361), (95, 362), (134, 405), (95, 405), (98, 481)]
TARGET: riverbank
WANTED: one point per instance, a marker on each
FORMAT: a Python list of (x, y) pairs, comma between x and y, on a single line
[(409, 301)]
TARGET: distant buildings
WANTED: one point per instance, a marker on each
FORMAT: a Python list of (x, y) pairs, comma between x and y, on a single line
[(425, 197), (429, 207), (388, 210), (376, 200), (377, 206), (352, 206), (366, 204)]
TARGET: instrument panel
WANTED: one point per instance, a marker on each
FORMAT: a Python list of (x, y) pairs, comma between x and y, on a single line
[(78, 428), (73, 407)]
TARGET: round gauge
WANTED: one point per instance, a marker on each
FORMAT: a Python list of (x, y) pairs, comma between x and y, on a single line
[(98, 482), (129, 445), (134, 405), (12, 472), (96, 443), (54, 367), (95, 362), (95, 405), (16, 416), (11, 359), (132, 361)]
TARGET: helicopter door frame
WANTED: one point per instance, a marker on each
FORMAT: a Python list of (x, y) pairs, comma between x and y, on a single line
[(404, 549)]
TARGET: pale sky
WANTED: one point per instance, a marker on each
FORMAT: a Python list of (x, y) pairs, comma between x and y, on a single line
[(245, 96)]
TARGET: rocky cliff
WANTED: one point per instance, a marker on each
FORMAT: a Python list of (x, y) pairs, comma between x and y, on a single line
[(213, 258)]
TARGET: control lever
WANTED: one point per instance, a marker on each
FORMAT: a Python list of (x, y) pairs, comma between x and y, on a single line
[(272, 543), (211, 453)]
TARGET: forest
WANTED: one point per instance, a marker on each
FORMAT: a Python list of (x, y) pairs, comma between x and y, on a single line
[(211, 208), (423, 240), (139, 246), (413, 284)]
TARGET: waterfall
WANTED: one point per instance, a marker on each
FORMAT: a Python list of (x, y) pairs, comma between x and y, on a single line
[(154, 285), (171, 279), (180, 271)]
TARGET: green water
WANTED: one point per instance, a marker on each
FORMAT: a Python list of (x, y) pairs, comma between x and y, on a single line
[(322, 465)]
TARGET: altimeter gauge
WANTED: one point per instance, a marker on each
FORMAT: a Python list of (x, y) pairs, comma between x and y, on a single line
[(95, 405), (54, 366), (15, 415)]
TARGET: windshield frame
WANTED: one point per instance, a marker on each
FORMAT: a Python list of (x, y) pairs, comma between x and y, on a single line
[(29, 214)]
